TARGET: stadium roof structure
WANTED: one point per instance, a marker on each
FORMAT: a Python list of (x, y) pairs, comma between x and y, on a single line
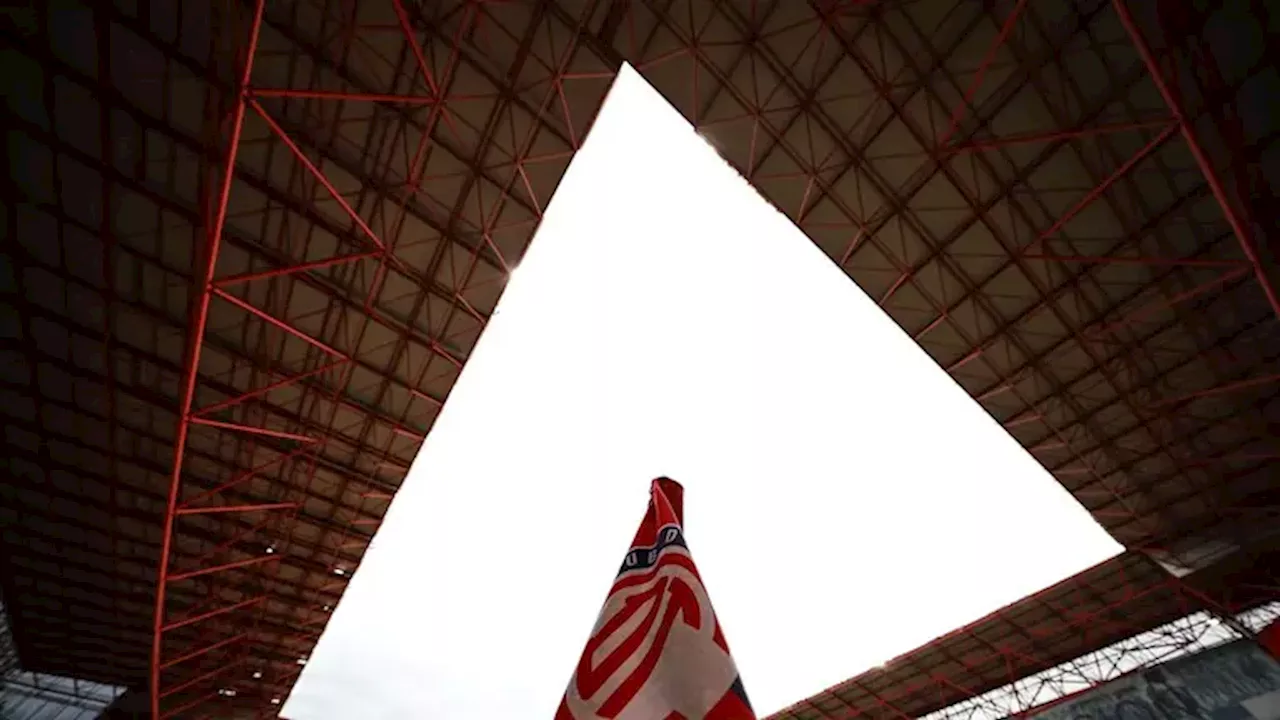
[(251, 246)]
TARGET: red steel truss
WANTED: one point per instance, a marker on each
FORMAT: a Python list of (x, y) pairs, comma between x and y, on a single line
[(256, 243), (260, 96)]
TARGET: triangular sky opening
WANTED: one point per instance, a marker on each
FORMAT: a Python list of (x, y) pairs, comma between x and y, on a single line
[(846, 501)]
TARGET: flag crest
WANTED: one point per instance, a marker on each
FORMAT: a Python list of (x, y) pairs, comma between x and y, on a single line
[(657, 651)]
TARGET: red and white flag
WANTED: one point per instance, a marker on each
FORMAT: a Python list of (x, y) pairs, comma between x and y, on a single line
[(657, 651)]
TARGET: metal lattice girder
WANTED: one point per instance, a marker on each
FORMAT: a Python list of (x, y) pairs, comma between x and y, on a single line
[(368, 308), (1060, 202)]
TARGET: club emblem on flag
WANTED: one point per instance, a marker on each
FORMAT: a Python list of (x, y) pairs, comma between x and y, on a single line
[(657, 651)]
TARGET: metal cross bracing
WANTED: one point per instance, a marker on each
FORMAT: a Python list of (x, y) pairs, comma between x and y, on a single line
[(257, 247), (1122, 614)]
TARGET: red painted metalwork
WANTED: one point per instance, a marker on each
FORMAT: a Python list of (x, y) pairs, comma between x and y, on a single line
[(352, 97), (303, 267), (214, 239), (269, 388), (280, 434), (248, 97), (174, 577), (267, 318), (204, 509)]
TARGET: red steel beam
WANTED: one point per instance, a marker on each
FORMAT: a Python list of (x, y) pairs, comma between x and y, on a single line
[(316, 172), (1051, 136), (276, 322), (411, 37), (225, 566), (237, 507), (246, 475), (213, 613), (416, 165), (342, 96), (303, 267), (1239, 225), (244, 532), (196, 420), (269, 388), (958, 112), (1102, 187), (1135, 260), (196, 341)]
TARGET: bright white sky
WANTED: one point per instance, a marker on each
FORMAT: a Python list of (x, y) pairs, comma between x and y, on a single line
[(846, 501)]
